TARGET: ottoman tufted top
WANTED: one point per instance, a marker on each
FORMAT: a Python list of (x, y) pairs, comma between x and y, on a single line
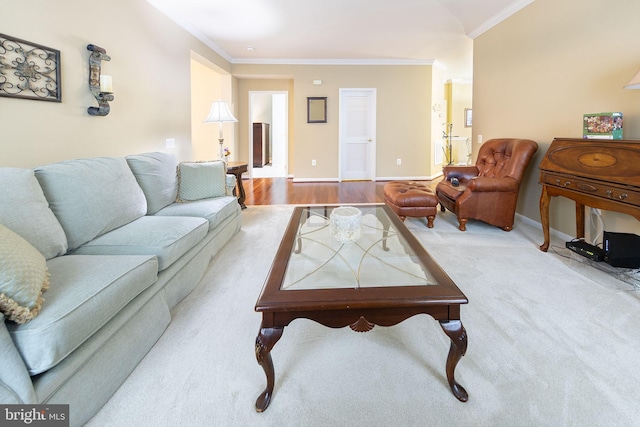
[(409, 194)]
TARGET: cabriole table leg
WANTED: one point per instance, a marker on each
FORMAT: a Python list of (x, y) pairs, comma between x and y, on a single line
[(267, 338), (458, 335)]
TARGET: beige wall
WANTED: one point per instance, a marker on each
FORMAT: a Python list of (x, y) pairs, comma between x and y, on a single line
[(404, 96), (539, 71), (209, 83), (150, 64)]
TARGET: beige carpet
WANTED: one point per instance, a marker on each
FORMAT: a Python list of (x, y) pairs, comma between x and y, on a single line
[(551, 343)]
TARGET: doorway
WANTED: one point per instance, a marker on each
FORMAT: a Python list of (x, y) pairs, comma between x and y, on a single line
[(271, 108), (357, 134)]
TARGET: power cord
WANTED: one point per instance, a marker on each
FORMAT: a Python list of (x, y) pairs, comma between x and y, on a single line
[(625, 275), (598, 225)]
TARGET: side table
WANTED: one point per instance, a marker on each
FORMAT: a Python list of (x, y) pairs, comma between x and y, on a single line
[(237, 169)]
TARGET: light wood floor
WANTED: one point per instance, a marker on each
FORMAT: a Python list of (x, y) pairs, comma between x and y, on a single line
[(283, 191)]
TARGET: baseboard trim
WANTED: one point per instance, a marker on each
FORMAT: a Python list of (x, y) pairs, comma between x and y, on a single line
[(316, 180), (552, 231), (408, 178), (378, 178)]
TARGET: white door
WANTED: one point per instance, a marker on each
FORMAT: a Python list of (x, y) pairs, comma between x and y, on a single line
[(357, 129)]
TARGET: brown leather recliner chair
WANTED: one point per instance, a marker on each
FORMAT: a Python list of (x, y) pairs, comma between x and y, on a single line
[(487, 191)]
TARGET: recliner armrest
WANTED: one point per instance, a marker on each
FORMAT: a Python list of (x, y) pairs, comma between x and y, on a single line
[(461, 172), (492, 184)]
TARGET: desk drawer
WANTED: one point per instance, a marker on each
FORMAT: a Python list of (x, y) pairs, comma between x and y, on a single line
[(628, 195)]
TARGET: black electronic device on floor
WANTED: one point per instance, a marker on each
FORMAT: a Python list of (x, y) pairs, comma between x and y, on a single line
[(587, 250), (622, 249)]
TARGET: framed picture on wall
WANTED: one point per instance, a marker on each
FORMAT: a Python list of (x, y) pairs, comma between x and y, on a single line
[(317, 109), (467, 117), (31, 71)]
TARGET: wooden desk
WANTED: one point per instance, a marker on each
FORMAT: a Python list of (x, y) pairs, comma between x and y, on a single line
[(237, 169), (602, 174)]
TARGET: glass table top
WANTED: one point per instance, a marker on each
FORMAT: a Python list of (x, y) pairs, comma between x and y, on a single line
[(351, 247)]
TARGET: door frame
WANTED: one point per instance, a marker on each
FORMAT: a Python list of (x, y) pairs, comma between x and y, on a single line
[(250, 127), (372, 93)]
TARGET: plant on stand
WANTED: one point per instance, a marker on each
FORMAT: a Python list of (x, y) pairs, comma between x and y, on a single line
[(448, 148)]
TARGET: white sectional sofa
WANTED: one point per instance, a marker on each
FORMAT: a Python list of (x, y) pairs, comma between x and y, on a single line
[(121, 253)]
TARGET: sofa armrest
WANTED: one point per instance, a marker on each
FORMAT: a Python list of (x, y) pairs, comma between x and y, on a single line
[(15, 383), (231, 184)]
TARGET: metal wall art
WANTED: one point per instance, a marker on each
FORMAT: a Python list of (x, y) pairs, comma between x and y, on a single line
[(29, 70)]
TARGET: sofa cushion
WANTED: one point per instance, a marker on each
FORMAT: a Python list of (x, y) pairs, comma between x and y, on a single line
[(91, 196), (25, 211), (85, 292), (213, 210), (168, 238), (201, 180), (156, 174), (23, 277)]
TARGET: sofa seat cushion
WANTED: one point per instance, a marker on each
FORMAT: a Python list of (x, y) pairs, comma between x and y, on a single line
[(25, 211), (91, 197), (214, 210), (168, 238), (85, 293)]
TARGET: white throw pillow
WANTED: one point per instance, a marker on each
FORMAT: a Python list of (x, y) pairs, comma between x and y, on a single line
[(201, 180), (23, 277)]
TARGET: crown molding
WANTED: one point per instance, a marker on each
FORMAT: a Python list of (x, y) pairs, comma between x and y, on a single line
[(499, 17), (312, 61)]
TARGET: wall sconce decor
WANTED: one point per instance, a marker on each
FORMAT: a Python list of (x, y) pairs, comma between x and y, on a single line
[(100, 85), (29, 70)]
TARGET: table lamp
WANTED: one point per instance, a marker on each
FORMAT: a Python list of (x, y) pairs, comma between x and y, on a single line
[(220, 114)]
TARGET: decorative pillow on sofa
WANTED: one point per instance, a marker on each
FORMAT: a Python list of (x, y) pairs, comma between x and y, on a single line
[(201, 180), (23, 277)]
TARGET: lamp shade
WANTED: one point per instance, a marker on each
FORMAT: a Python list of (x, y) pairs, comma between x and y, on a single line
[(220, 113), (635, 82)]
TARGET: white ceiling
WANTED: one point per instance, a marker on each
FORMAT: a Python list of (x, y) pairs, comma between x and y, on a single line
[(342, 31)]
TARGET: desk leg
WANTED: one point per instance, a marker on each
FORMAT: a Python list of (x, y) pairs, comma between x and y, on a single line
[(579, 220), (544, 217)]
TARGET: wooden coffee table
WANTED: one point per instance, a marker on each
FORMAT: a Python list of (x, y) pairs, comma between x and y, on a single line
[(381, 278)]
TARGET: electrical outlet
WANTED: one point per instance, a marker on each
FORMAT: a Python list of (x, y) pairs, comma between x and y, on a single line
[(313, 162), (170, 142), (398, 162), (479, 139)]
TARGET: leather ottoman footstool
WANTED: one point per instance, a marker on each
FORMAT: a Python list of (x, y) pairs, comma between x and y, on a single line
[(411, 198)]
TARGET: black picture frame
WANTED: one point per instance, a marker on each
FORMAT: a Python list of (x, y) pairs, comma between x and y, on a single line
[(317, 109), (29, 70)]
